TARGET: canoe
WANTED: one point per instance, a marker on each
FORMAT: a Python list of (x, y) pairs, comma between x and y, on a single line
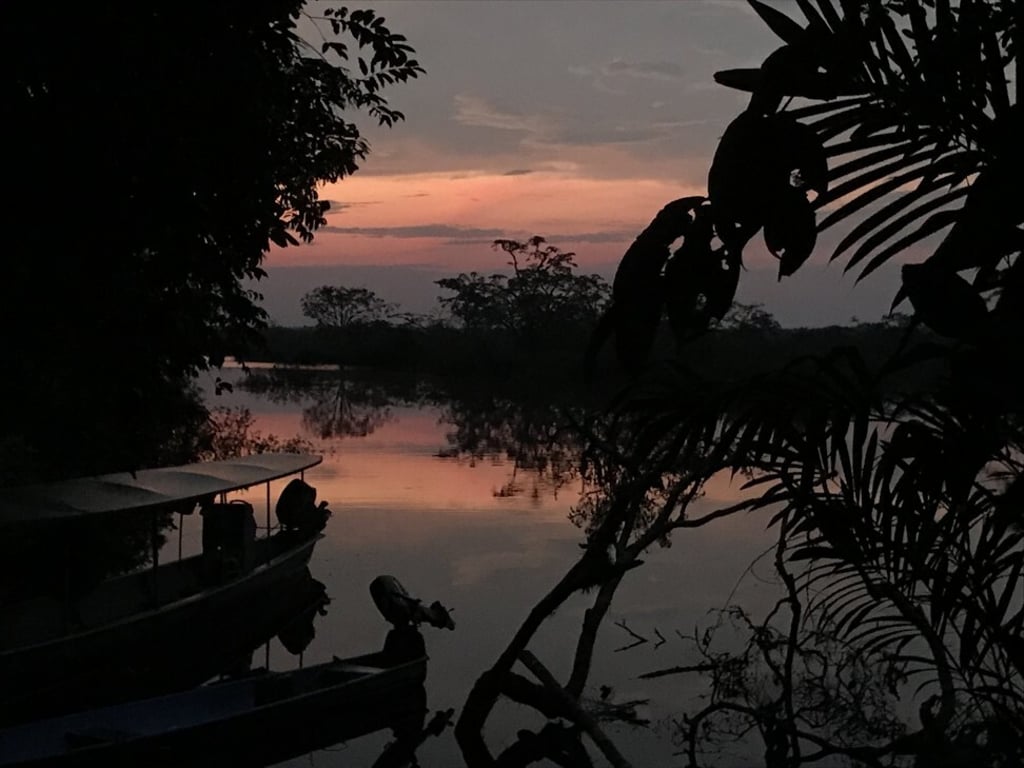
[(257, 720)]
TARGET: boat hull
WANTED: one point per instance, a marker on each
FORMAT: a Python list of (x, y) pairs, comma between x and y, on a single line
[(256, 721), (166, 646)]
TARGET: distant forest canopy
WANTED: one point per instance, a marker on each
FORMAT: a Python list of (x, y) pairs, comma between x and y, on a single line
[(436, 345), (538, 316)]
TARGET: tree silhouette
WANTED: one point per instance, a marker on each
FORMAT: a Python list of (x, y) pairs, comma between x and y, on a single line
[(543, 292), (157, 154), (331, 306), (902, 111), (898, 514), (898, 507)]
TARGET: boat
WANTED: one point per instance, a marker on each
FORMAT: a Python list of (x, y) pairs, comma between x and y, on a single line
[(259, 718), (287, 613), (71, 650)]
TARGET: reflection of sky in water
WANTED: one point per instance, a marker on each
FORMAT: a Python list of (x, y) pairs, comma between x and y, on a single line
[(438, 526)]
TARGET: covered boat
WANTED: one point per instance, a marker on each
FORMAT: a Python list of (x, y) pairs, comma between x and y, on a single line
[(69, 646)]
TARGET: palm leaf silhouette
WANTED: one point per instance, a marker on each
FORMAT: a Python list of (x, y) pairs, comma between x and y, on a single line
[(922, 144)]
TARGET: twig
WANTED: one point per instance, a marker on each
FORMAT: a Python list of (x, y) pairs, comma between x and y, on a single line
[(638, 639), (678, 671), (582, 718)]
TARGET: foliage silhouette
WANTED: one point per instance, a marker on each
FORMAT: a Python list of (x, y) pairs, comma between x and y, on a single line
[(336, 306), (229, 433), (822, 693), (199, 135), (897, 512), (921, 131), (337, 404), (530, 430), (543, 292)]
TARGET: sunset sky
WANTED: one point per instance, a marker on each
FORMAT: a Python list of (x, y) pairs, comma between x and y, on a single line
[(576, 121)]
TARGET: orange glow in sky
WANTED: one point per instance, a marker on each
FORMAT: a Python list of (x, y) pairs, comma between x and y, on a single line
[(451, 219), (573, 121)]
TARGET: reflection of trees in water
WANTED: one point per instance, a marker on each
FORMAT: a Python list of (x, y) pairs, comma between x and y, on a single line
[(898, 514), (626, 509), (533, 432), (898, 564), (337, 404), (536, 437), (813, 686), (898, 561), (347, 411)]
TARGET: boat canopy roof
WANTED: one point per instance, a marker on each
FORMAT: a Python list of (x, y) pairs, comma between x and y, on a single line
[(146, 488)]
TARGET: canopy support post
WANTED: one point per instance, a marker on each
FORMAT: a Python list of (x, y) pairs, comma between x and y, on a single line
[(153, 540), (267, 548), (70, 609)]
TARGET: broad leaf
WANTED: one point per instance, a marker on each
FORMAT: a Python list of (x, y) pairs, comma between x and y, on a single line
[(886, 212), (779, 23), (741, 79), (943, 300), (882, 234), (790, 231)]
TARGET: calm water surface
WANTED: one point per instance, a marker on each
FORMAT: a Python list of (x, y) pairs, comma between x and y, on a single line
[(443, 527)]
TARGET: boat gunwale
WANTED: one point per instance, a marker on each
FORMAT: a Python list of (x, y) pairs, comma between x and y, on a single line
[(203, 594), (394, 674)]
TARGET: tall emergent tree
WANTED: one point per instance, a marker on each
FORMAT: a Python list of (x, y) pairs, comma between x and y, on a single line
[(544, 292), (155, 153), (336, 306)]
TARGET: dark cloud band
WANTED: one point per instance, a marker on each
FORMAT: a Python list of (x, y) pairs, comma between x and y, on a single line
[(419, 230)]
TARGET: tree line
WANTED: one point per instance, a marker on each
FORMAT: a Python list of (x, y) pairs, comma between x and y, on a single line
[(540, 316), (541, 310), (199, 139)]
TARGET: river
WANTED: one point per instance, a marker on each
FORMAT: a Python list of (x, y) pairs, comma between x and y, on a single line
[(488, 538)]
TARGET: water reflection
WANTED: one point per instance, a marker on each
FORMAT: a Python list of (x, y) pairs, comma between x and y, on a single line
[(535, 439), (594, 705), (334, 403), (298, 632), (427, 491), (627, 507), (594, 639), (531, 432)]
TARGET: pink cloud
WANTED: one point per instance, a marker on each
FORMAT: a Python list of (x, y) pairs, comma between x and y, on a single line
[(449, 219)]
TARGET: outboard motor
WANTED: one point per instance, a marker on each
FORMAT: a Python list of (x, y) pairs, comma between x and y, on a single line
[(398, 607), (229, 540), (297, 508)]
